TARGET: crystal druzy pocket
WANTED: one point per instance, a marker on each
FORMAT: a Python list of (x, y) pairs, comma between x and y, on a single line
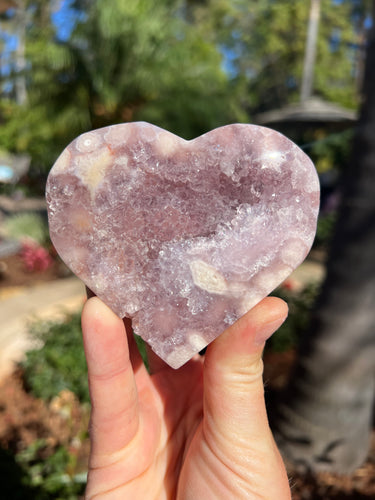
[(182, 236)]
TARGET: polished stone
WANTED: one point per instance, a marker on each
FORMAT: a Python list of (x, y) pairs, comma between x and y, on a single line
[(182, 236)]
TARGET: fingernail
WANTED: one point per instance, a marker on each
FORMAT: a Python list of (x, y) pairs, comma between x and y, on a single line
[(268, 329)]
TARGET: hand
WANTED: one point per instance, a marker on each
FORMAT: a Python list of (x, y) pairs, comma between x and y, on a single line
[(197, 433)]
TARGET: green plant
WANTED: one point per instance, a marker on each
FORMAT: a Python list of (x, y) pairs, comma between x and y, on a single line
[(49, 477), (60, 363), (27, 226), (142, 349), (300, 305), (51, 474), (325, 228)]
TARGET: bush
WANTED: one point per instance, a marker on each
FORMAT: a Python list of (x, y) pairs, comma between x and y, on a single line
[(27, 226), (51, 474), (47, 478), (300, 305), (60, 363), (324, 230)]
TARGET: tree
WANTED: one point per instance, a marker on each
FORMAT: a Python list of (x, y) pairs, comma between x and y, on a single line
[(26, 127), (186, 65), (124, 61), (324, 418), (265, 44)]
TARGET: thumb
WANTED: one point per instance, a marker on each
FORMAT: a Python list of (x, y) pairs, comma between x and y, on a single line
[(234, 403)]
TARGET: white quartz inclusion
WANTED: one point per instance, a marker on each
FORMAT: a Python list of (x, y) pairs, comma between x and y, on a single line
[(182, 236)]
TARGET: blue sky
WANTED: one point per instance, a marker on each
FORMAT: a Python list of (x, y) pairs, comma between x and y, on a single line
[(64, 18)]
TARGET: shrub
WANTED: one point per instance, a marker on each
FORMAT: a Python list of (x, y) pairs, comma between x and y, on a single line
[(300, 305), (324, 230), (60, 363), (47, 478), (35, 257), (27, 226)]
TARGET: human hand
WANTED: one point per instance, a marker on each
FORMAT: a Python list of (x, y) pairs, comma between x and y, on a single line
[(197, 433)]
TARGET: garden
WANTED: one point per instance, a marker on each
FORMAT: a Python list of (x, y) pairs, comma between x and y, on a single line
[(45, 406), (189, 66)]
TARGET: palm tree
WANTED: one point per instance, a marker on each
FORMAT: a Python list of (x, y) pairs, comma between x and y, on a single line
[(323, 419)]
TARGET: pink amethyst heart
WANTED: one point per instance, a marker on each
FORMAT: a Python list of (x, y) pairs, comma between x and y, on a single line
[(182, 236)]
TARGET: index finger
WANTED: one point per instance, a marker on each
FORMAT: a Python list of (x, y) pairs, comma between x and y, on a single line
[(113, 391)]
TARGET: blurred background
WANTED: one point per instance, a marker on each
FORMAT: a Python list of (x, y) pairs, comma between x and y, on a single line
[(303, 67)]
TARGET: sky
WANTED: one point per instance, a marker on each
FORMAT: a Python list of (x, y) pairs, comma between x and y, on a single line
[(64, 18)]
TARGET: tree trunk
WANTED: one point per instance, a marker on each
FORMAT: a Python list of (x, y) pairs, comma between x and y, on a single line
[(323, 420)]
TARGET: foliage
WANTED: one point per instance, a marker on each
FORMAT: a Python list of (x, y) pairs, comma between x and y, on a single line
[(185, 65), (60, 363), (142, 349), (48, 477), (300, 305), (324, 230), (26, 226), (267, 42), (126, 61), (330, 151)]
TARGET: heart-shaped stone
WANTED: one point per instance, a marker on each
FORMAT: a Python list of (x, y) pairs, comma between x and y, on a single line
[(182, 236)]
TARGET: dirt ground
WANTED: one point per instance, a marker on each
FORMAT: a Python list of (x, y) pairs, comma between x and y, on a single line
[(323, 486), (25, 419)]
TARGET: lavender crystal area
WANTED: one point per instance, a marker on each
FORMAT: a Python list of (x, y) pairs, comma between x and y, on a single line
[(182, 236)]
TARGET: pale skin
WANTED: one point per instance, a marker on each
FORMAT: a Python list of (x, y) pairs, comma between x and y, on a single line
[(197, 433)]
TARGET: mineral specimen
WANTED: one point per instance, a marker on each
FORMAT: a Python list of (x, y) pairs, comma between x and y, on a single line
[(182, 236)]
